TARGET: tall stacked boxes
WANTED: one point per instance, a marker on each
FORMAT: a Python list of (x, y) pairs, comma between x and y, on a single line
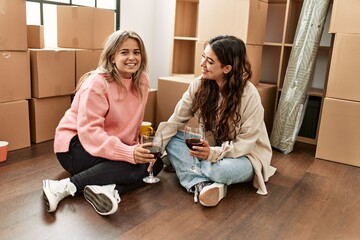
[(339, 125), (85, 30), (53, 81), (14, 75), (55, 72)]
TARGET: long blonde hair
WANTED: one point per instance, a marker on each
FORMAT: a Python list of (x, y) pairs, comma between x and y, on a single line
[(109, 69)]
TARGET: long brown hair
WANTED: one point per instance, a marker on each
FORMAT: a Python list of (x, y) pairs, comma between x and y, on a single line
[(219, 112), (108, 68)]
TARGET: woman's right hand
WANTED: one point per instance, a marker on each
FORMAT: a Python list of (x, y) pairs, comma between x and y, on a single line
[(142, 155)]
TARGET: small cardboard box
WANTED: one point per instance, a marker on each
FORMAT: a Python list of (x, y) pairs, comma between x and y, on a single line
[(52, 72), (170, 91), (254, 53), (268, 98), (247, 21), (84, 27), (150, 109), (14, 76), (13, 33), (14, 124), (339, 132), (343, 80), (45, 114), (345, 17), (35, 36), (86, 60)]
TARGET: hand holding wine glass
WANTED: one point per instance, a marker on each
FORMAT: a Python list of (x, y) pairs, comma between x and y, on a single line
[(152, 141), (193, 137)]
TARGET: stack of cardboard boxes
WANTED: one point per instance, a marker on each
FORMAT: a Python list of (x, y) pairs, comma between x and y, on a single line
[(245, 20), (14, 75), (54, 72), (37, 83), (339, 130)]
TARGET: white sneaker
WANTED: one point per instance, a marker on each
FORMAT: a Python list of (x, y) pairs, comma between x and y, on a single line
[(54, 191), (104, 199), (211, 195)]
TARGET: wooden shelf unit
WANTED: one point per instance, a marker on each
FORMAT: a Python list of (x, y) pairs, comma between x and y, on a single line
[(281, 24), (185, 36)]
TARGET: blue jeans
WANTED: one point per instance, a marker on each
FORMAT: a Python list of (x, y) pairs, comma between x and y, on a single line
[(227, 170)]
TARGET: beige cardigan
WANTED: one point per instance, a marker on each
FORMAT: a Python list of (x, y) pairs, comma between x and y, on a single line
[(252, 139)]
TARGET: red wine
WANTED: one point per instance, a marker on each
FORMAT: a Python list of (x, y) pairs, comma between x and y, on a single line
[(156, 151), (191, 142)]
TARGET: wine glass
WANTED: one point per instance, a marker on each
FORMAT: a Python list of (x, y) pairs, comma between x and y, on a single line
[(153, 141), (193, 136)]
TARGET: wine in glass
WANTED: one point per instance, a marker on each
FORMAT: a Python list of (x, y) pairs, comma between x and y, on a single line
[(152, 141), (193, 136)]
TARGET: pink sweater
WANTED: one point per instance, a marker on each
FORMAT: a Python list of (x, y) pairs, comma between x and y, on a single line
[(107, 123)]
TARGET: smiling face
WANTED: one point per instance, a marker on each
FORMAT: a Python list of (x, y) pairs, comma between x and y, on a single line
[(211, 67), (128, 58)]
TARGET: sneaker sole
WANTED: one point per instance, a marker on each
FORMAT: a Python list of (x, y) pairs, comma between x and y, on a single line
[(101, 202), (46, 192), (211, 195)]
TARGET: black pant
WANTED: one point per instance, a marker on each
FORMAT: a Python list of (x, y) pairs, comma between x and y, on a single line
[(89, 170)]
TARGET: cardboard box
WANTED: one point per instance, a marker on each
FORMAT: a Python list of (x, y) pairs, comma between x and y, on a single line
[(86, 60), (254, 54), (150, 110), (35, 36), (345, 17), (52, 72), (45, 114), (268, 98), (339, 132), (84, 27), (343, 80), (13, 33), (247, 21), (14, 76), (171, 89), (14, 124)]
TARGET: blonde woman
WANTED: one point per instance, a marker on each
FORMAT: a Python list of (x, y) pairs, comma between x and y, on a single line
[(96, 141)]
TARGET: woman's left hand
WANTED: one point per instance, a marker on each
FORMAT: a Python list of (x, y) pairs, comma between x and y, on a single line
[(201, 152)]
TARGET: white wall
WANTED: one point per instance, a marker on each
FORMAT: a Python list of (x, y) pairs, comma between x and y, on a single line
[(153, 20)]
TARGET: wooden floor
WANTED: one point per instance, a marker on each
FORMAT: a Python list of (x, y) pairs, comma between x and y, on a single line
[(308, 199)]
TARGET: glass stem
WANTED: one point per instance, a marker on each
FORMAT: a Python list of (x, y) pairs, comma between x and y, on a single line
[(151, 174)]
